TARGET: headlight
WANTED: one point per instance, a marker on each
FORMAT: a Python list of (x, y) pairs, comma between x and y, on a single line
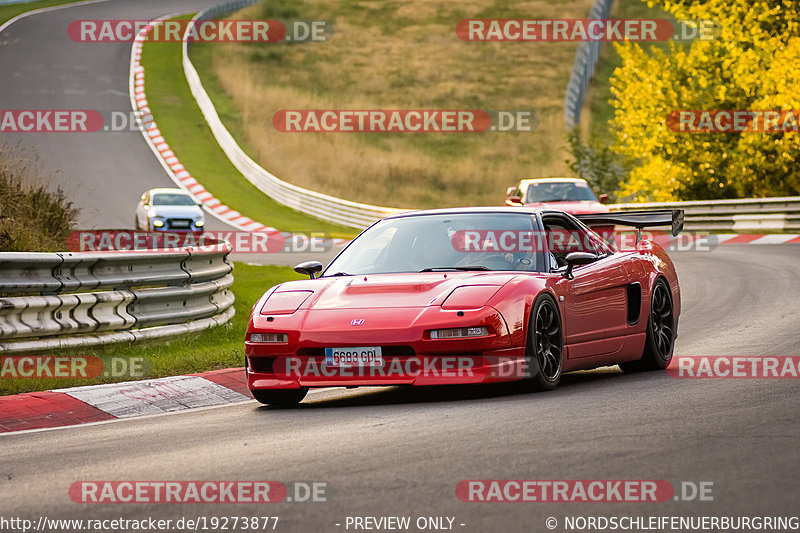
[(470, 296), (158, 223), (269, 337), (284, 303), (199, 223), (459, 333)]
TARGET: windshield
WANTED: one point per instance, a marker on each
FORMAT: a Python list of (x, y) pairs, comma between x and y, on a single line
[(469, 241), (565, 191), (172, 199)]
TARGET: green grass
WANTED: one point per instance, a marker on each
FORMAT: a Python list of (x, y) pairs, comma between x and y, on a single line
[(220, 347), (9, 12), (396, 55), (182, 124)]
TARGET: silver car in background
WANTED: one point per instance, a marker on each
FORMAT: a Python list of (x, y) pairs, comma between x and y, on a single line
[(167, 209)]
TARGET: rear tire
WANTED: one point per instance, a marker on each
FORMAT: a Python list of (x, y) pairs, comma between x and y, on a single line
[(280, 397), (660, 341), (544, 352)]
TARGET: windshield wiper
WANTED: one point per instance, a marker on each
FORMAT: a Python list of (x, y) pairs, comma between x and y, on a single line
[(341, 274), (465, 268)]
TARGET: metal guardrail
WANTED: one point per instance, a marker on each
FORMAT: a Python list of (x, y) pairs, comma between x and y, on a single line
[(322, 206), (749, 215), (59, 300), (583, 68)]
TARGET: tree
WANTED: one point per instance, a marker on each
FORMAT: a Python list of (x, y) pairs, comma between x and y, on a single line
[(752, 64), (596, 163)]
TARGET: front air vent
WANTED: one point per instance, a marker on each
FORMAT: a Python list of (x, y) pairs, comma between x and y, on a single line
[(179, 223)]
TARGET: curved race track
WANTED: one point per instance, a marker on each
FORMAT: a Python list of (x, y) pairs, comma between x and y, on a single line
[(103, 173), (402, 451), (44, 69)]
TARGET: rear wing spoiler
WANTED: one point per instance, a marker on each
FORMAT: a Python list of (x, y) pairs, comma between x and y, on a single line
[(638, 219)]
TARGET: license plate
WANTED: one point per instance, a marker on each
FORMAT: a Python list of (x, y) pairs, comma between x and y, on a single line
[(357, 357), (180, 224)]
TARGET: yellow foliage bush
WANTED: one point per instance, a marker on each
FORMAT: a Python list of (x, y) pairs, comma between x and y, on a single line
[(752, 64)]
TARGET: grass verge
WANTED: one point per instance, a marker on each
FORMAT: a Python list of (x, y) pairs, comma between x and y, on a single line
[(34, 215), (181, 122), (220, 347), (397, 55)]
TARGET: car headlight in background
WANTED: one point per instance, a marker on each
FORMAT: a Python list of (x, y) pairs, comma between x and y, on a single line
[(158, 223), (275, 338), (284, 303), (459, 333), (199, 222)]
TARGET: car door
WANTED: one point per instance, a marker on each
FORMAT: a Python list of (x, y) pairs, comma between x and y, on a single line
[(595, 299)]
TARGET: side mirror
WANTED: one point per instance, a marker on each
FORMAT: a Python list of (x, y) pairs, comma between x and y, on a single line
[(604, 198), (574, 259), (510, 190), (514, 200), (309, 268)]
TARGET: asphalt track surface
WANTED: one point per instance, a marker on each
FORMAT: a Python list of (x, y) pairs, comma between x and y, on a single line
[(103, 173), (402, 451)]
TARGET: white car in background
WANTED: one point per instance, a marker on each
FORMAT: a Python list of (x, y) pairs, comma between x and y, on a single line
[(167, 209), (572, 195)]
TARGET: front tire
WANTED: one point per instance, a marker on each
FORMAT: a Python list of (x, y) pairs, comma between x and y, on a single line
[(280, 397), (660, 342), (544, 353)]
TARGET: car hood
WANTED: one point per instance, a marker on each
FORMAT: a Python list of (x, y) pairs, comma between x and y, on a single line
[(573, 208), (391, 290), (175, 211)]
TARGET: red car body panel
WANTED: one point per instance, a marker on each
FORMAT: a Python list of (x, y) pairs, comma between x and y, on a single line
[(398, 311)]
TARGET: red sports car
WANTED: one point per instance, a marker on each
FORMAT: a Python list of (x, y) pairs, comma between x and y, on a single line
[(472, 295)]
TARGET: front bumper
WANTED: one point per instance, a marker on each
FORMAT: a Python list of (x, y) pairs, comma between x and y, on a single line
[(410, 356), (311, 371)]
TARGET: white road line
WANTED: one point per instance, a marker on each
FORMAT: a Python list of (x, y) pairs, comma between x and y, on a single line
[(45, 10)]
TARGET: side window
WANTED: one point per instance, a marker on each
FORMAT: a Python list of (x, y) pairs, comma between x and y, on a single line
[(564, 236)]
